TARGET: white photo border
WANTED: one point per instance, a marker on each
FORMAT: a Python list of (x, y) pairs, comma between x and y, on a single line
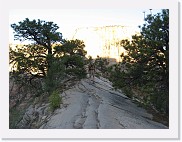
[(171, 133)]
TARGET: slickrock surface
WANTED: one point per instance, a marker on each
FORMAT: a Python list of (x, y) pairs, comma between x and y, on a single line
[(97, 105)]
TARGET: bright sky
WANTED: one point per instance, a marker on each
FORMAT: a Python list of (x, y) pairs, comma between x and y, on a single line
[(70, 19)]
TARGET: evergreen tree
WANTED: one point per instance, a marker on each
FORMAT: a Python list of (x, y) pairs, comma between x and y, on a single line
[(147, 62), (48, 55), (36, 57)]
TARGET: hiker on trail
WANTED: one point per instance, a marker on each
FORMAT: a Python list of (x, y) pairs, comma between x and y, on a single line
[(91, 71)]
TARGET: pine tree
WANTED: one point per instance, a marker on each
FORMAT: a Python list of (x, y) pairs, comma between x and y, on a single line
[(147, 62), (47, 55), (36, 57)]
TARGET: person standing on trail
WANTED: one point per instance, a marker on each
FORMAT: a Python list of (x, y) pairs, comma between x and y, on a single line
[(91, 70)]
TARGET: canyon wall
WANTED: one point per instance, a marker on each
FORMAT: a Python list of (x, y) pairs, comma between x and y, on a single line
[(104, 41)]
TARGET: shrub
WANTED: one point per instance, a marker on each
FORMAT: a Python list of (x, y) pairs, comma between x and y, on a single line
[(55, 100)]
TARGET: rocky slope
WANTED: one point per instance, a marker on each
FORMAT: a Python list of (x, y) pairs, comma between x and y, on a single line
[(90, 105)]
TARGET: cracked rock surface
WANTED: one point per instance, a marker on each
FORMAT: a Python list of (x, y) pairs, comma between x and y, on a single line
[(98, 106)]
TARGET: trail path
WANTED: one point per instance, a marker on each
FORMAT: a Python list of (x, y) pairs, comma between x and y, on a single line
[(99, 106)]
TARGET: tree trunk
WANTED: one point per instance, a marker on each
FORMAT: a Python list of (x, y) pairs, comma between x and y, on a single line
[(49, 57)]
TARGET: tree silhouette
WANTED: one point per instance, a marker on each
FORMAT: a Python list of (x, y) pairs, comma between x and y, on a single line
[(71, 47), (147, 62), (46, 46), (47, 55), (37, 56)]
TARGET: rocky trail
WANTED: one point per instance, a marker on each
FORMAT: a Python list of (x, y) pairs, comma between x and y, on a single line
[(98, 106)]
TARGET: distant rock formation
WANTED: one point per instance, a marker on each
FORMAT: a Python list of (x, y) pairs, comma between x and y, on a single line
[(104, 41)]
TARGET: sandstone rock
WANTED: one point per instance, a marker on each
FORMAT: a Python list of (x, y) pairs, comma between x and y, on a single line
[(44, 117), (100, 107), (97, 107)]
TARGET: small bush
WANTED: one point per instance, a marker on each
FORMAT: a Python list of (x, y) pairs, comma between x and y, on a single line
[(127, 91), (55, 100)]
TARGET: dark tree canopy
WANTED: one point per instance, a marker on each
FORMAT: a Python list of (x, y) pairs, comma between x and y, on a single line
[(46, 65), (40, 32), (46, 47), (71, 47), (145, 67), (29, 59)]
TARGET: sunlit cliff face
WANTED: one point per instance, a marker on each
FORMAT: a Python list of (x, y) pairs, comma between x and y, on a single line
[(103, 41)]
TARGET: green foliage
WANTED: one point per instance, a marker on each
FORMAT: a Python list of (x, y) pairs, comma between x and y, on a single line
[(75, 66), (55, 100), (40, 32), (101, 64), (34, 58), (63, 66), (146, 64), (71, 47), (29, 59), (127, 90), (73, 57), (55, 76), (48, 56)]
